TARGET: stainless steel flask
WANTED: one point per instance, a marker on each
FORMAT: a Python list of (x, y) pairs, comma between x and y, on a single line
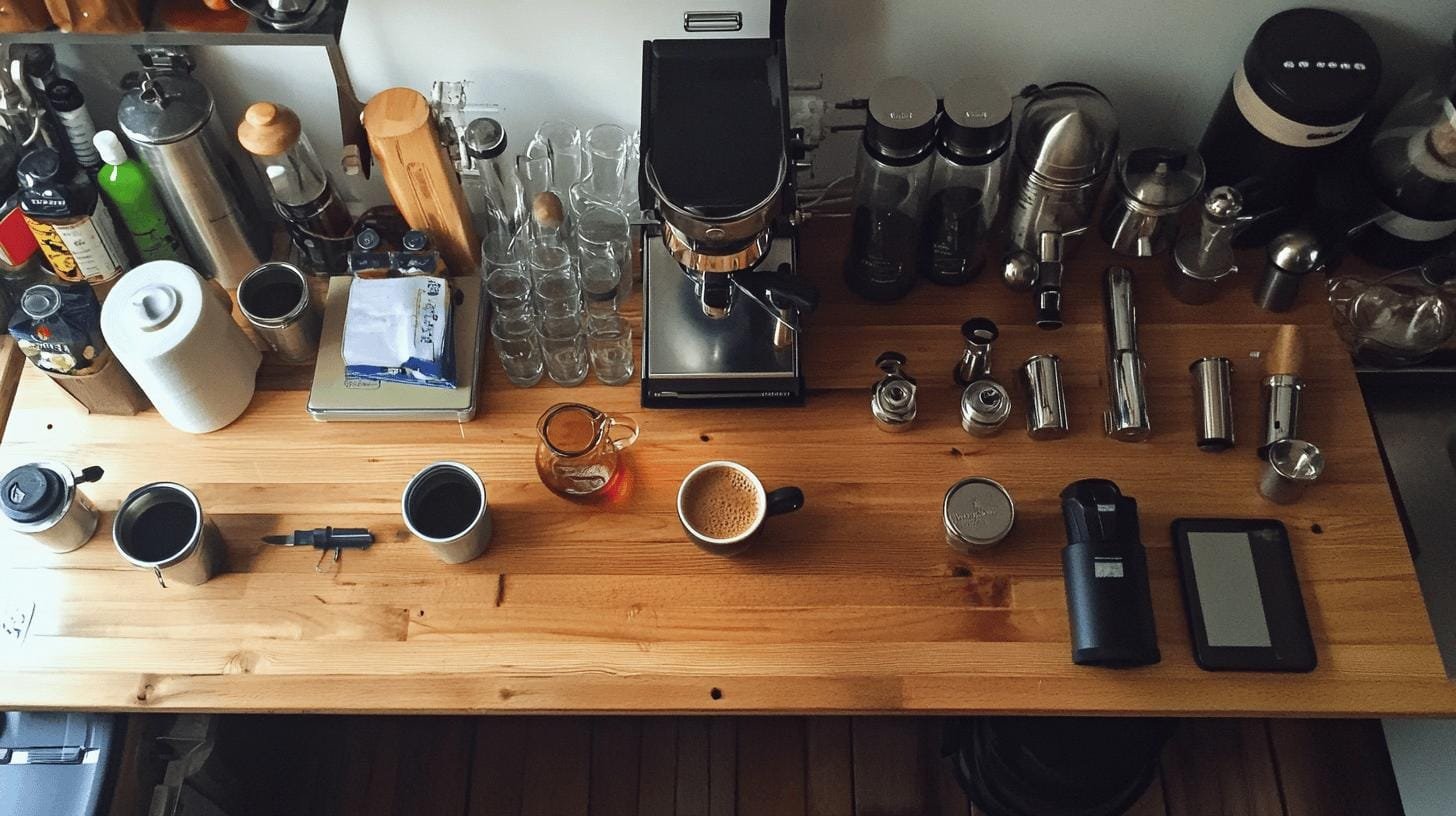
[(171, 121)]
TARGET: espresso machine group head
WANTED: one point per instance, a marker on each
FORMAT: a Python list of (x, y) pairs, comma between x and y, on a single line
[(722, 298)]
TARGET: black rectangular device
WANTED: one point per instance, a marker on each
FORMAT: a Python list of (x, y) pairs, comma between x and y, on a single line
[(1245, 610), (1105, 569)]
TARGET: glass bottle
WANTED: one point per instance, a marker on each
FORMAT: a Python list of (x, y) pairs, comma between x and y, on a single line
[(485, 189), (129, 188), (965, 180), (73, 230), (318, 221), (892, 178)]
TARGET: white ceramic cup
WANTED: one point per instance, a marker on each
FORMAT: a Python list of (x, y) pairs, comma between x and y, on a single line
[(782, 500)]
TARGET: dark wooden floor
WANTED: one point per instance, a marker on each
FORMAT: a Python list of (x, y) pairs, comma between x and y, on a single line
[(753, 766)]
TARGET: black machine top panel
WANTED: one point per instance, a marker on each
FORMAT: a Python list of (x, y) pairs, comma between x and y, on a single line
[(714, 122)]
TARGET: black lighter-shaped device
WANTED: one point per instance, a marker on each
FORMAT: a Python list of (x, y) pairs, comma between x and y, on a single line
[(1105, 568)]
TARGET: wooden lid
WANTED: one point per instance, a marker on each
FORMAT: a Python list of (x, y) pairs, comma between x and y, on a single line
[(396, 112), (1286, 356), (268, 129), (547, 212)]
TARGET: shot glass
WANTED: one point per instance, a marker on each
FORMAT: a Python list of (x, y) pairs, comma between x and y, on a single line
[(610, 340), (563, 345), (518, 347)]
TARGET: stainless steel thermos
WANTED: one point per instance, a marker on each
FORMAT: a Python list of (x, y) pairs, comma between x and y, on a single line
[(172, 123), (42, 501)]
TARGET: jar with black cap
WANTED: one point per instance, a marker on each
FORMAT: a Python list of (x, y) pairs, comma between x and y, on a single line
[(483, 180), (965, 180), (1306, 80), (65, 215), (892, 182), (42, 501)]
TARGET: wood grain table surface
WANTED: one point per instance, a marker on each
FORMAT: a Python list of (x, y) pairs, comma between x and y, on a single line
[(854, 603)]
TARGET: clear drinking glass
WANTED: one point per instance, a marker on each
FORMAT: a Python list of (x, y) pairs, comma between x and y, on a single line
[(601, 227), (546, 257), (557, 294), (517, 346), (563, 344), (601, 283), (607, 147), (610, 339), (560, 142), (534, 175)]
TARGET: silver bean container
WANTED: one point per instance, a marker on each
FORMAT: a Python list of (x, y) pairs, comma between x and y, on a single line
[(985, 407), (276, 301), (160, 527), (41, 501), (978, 514), (172, 123)]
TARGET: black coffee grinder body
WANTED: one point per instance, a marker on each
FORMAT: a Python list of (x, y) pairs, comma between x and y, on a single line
[(1104, 565), (722, 298)]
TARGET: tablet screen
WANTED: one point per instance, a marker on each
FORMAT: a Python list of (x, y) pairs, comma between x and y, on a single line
[(1228, 589)]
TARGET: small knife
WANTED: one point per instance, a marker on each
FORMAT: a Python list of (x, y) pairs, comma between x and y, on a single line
[(325, 539)]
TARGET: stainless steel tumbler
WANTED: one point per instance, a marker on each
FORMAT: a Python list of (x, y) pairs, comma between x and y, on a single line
[(444, 506), (1046, 403), (41, 501), (276, 301), (161, 527), (1213, 403)]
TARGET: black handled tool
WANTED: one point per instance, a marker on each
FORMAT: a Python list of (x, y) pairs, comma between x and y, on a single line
[(325, 539)]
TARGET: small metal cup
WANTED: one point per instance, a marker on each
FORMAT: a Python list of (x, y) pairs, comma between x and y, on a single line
[(985, 407), (275, 300), (1290, 466), (444, 506), (1213, 401), (161, 527), (1046, 402)]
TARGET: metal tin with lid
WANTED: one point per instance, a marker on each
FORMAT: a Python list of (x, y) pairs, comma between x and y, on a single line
[(985, 407), (41, 500), (978, 514)]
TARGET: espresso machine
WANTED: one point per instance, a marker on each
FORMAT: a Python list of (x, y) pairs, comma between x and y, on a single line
[(722, 298)]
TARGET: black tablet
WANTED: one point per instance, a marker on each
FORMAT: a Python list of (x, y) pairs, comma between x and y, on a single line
[(1244, 607)]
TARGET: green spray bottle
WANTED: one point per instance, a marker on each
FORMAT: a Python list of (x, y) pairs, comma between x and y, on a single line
[(129, 188)]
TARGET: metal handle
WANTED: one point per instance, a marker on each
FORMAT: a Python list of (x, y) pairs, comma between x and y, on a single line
[(157, 571)]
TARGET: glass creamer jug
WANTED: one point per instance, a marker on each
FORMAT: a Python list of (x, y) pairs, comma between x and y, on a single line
[(1399, 319), (578, 455)]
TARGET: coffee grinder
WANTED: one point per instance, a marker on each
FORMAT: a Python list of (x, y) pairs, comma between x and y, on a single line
[(722, 298)]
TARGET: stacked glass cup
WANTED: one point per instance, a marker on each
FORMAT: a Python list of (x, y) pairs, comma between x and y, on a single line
[(559, 281)]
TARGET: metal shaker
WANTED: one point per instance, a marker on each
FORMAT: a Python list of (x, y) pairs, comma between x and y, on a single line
[(1127, 399), (172, 123), (276, 301), (1203, 259), (1292, 255), (161, 527), (42, 501)]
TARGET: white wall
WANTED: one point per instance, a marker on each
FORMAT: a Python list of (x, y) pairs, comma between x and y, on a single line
[(1164, 63)]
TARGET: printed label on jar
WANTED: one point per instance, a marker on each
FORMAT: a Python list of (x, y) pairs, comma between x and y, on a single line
[(94, 247), (57, 254), (1279, 128)]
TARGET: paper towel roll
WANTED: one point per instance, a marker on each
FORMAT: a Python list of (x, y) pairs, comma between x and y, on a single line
[(181, 346)]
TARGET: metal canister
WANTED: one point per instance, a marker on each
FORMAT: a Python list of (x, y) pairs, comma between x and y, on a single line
[(1213, 403), (1281, 409), (1046, 402), (978, 514), (1290, 466), (42, 501), (1292, 256), (161, 527), (985, 406), (171, 121), (275, 300)]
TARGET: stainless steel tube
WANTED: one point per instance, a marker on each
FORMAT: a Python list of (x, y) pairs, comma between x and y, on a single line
[(1213, 403), (1046, 402), (1127, 409), (1281, 409)]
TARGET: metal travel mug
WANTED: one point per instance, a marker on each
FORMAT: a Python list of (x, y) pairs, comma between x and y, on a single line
[(1290, 466), (42, 502), (161, 527), (1213, 403), (444, 506), (722, 506), (275, 299), (1046, 403)]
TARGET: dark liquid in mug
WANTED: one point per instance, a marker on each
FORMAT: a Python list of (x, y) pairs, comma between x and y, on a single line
[(161, 531), (444, 504), (273, 300)]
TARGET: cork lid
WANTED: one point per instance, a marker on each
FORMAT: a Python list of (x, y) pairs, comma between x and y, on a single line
[(268, 129)]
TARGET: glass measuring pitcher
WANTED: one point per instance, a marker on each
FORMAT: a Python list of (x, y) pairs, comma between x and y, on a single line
[(578, 455)]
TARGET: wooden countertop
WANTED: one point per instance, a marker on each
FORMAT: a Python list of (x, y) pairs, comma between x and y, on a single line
[(852, 604)]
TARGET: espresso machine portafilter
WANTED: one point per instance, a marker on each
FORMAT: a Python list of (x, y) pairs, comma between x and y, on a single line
[(1065, 146)]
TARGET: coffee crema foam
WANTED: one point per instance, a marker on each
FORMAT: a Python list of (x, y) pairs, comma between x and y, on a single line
[(721, 503)]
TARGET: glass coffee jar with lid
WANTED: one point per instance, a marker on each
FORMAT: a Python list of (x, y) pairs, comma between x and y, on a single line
[(892, 179), (966, 176)]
